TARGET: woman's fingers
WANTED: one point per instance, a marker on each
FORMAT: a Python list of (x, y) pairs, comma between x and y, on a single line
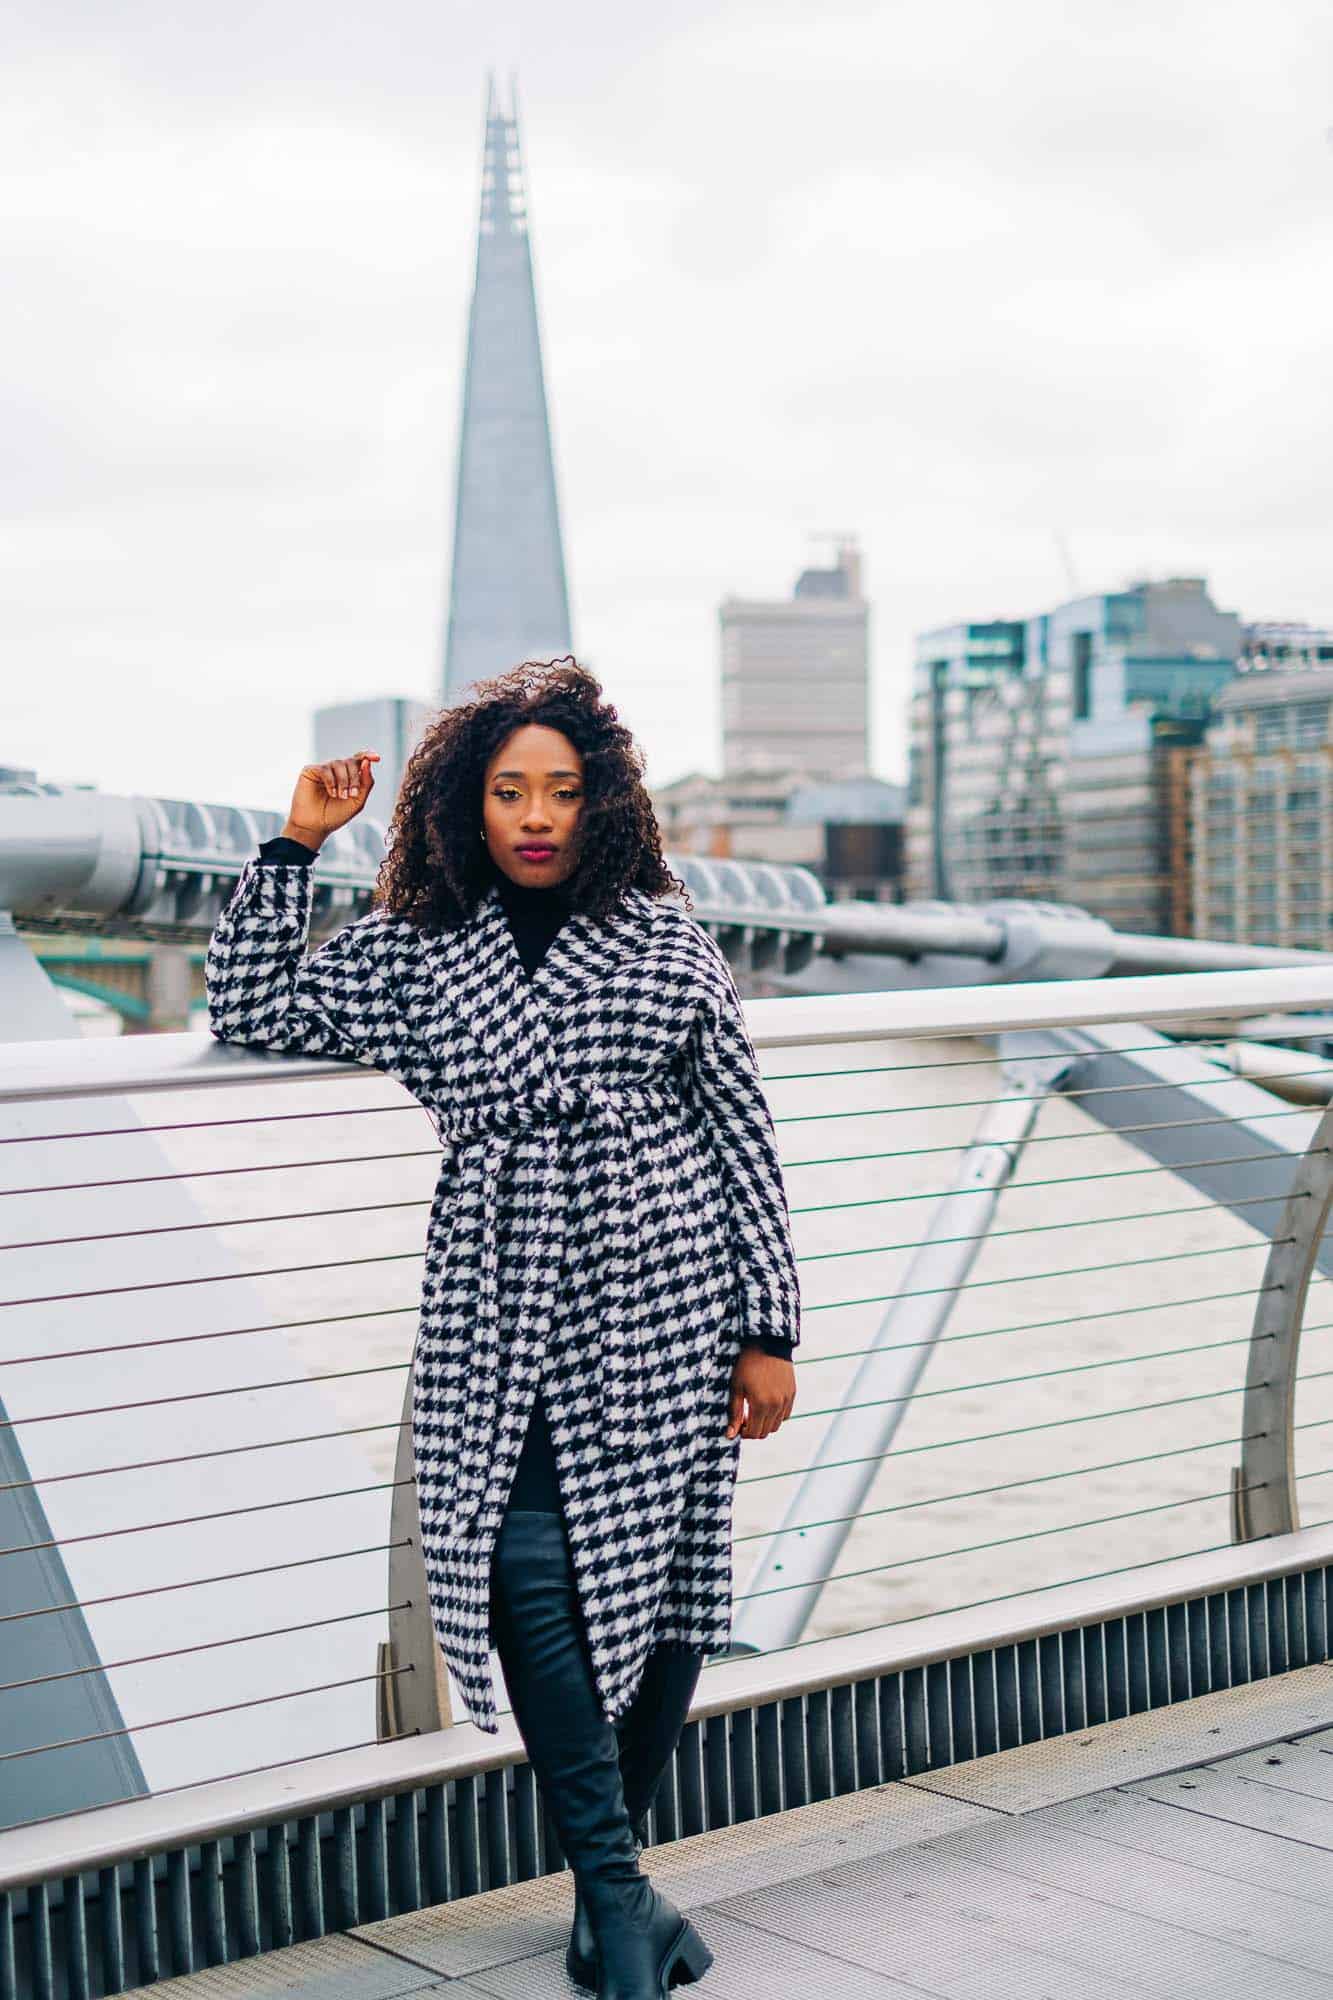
[(352, 776), (343, 782), (753, 1417), (764, 1418)]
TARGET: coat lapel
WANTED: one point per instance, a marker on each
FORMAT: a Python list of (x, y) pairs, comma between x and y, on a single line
[(481, 979), (587, 954)]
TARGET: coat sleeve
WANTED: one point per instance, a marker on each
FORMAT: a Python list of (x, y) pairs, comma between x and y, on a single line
[(726, 1094), (263, 987)]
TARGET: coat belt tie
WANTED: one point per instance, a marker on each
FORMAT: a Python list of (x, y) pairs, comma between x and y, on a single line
[(480, 1141)]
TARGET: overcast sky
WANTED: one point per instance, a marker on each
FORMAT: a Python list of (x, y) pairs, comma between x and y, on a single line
[(964, 277)]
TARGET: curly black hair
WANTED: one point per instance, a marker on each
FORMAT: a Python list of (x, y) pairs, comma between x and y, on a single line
[(436, 869)]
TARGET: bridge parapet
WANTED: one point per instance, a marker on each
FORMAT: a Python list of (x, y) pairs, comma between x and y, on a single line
[(1037, 1230)]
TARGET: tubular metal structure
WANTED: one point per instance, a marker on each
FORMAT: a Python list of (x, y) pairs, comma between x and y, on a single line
[(161, 869)]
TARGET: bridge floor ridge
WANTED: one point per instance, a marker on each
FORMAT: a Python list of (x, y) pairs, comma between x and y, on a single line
[(1188, 1850)]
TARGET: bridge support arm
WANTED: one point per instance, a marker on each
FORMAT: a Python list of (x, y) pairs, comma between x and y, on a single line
[(413, 1696), (31, 1009), (1263, 1494), (803, 1551)]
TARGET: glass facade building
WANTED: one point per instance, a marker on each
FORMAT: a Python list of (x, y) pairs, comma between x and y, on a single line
[(1260, 799), (1040, 750)]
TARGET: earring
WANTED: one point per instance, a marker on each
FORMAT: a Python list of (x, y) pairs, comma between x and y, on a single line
[(483, 833)]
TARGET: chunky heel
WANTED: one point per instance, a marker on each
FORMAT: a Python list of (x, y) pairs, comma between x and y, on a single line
[(690, 1958), (582, 1971)]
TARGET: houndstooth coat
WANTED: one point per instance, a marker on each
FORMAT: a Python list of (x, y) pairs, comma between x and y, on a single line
[(609, 1222)]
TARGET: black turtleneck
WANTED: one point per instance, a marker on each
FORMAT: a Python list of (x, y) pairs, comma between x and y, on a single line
[(535, 916)]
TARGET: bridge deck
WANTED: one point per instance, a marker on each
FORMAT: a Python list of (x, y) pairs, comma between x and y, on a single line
[(1184, 1852)]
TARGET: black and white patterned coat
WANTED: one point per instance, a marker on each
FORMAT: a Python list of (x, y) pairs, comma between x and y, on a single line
[(609, 1221)]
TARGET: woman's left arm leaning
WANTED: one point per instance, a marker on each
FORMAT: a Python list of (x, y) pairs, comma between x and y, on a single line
[(264, 987)]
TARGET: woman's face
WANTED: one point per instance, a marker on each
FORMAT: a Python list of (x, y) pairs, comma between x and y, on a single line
[(532, 805)]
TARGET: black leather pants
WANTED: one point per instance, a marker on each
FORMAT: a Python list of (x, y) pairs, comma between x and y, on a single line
[(536, 1488), (649, 1732)]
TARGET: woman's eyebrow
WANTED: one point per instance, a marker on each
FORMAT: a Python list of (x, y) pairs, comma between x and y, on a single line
[(523, 774)]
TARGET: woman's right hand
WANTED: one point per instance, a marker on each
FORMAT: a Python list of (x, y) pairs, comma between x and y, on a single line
[(327, 796)]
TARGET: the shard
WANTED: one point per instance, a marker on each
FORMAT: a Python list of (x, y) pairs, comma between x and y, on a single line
[(508, 600)]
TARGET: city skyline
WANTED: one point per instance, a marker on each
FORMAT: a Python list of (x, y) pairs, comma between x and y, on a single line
[(928, 281)]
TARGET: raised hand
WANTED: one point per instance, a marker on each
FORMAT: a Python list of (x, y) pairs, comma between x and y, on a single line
[(328, 795)]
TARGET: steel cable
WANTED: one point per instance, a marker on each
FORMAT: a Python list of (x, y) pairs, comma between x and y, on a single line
[(204, 1646), (198, 1457), (215, 1124), (972, 1493), (1054, 1180), (1002, 1542), (1073, 1092), (199, 1582), (985, 1060), (220, 1333), (196, 1520), (1046, 1228), (202, 1714), (1035, 1277), (1018, 1430), (216, 1173), (1053, 1138), (200, 1395)]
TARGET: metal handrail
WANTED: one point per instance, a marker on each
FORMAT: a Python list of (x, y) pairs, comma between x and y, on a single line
[(430, 1811), (67, 1072), (33, 1071)]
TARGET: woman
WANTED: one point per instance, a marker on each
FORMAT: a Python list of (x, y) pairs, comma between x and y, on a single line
[(610, 1299)]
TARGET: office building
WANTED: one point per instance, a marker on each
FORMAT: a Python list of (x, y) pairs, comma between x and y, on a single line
[(1041, 749), (795, 677), (847, 831), (390, 724), (1260, 798), (508, 599)]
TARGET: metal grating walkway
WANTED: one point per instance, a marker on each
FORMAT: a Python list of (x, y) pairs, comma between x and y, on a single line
[(1184, 1852)]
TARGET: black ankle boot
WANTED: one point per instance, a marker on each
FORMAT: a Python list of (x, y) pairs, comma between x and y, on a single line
[(648, 1733), (642, 1943), (644, 1946)]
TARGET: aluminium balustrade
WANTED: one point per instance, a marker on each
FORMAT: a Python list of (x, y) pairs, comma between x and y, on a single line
[(211, 1258)]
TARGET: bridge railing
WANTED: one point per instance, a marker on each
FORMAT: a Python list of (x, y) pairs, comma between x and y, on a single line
[(1054, 1436)]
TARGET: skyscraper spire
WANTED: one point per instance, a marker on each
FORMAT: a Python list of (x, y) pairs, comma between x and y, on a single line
[(508, 599)]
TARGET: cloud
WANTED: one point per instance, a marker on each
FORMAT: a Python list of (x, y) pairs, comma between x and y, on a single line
[(953, 276)]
